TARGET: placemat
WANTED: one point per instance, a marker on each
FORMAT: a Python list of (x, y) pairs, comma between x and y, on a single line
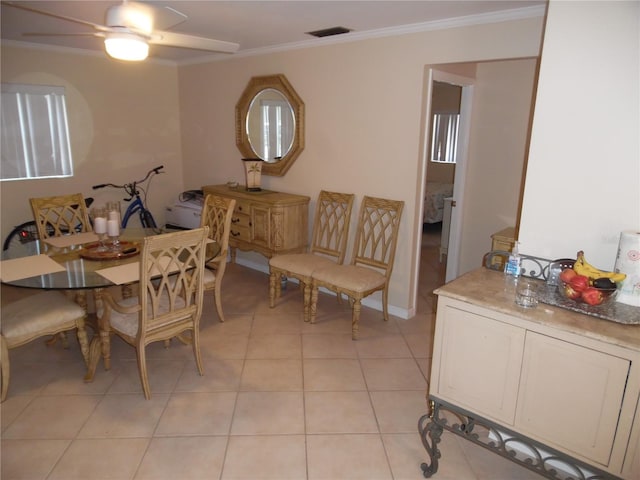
[(69, 240), (130, 272), (25, 267), (121, 274)]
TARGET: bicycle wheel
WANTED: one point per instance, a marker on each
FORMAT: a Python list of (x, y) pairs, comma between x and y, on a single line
[(23, 233), (147, 219)]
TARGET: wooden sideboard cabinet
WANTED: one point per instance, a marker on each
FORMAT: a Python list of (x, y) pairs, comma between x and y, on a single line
[(504, 240), (563, 383), (265, 221)]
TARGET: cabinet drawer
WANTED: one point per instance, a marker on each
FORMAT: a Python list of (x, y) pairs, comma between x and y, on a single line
[(239, 233), (242, 206), (239, 220)]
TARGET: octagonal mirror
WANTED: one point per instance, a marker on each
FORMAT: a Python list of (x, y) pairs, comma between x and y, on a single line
[(270, 123)]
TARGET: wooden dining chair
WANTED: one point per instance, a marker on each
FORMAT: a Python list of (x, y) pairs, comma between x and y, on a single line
[(328, 247), (169, 301), (371, 262), (60, 215), (216, 214), (45, 313)]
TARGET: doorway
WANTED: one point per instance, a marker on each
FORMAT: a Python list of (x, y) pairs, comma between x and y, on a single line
[(439, 245)]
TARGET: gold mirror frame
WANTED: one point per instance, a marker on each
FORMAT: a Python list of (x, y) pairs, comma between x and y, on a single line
[(254, 87)]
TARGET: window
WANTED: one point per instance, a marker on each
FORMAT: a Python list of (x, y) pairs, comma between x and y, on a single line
[(35, 134), (444, 137), (276, 128)]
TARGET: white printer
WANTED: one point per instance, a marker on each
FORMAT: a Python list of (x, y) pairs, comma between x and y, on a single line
[(185, 213)]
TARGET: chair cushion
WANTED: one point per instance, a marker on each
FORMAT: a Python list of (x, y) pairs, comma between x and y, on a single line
[(128, 323), (37, 315), (209, 279), (303, 264), (350, 277)]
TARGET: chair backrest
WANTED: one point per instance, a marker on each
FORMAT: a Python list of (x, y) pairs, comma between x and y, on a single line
[(377, 233), (55, 216), (331, 224), (217, 212), (171, 278)]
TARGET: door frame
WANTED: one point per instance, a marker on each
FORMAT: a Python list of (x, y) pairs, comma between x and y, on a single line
[(453, 255)]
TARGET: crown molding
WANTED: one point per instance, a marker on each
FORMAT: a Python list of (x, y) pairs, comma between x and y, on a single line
[(457, 22)]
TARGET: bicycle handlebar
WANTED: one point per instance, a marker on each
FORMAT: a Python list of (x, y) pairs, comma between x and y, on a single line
[(155, 170)]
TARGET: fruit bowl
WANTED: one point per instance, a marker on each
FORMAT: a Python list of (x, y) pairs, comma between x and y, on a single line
[(591, 295)]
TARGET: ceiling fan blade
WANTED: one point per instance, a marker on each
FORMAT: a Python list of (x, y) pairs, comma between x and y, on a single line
[(172, 39), (166, 17), (59, 34), (97, 26)]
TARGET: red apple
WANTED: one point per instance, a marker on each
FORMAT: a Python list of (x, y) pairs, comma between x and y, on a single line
[(592, 296), (567, 274), (579, 283), (571, 293)]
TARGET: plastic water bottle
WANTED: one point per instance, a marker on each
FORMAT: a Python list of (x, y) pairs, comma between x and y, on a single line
[(512, 270)]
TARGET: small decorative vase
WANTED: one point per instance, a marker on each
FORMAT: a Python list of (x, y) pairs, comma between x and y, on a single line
[(252, 173)]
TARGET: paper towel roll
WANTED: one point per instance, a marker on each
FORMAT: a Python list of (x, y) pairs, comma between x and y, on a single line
[(628, 262)]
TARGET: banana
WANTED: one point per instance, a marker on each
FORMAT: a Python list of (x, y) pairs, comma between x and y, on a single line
[(582, 267)]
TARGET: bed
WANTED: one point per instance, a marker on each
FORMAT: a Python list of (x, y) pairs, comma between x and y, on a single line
[(434, 201)]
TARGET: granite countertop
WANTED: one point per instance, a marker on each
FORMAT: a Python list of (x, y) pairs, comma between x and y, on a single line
[(486, 288)]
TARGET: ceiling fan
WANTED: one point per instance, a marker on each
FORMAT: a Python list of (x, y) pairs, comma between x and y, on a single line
[(132, 26)]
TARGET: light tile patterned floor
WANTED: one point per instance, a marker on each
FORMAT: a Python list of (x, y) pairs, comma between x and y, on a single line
[(280, 399)]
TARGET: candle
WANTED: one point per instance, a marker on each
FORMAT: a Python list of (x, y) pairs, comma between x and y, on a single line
[(113, 229), (100, 225), (114, 215)]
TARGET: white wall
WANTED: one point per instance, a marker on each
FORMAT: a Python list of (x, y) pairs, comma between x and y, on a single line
[(583, 176), (503, 98), (363, 101)]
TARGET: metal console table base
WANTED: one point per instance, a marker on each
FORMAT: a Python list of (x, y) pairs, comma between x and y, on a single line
[(513, 446)]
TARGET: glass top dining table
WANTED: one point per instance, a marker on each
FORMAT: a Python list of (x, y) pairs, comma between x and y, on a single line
[(80, 272)]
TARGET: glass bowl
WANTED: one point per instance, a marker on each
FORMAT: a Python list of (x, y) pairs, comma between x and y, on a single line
[(607, 294)]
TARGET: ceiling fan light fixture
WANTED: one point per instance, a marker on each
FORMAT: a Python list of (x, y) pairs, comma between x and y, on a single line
[(126, 46)]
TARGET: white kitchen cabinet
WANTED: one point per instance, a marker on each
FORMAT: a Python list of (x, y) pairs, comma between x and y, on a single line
[(562, 381), (570, 396), (483, 370)]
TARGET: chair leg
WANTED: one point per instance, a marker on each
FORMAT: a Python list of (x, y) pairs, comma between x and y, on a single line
[(83, 340), (195, 334), (355, 318), (272, 289), (218, 299), (306, 300), (4, 367), (142, 370), (385, 311), (94, 358), (62, 336), (314, 303)]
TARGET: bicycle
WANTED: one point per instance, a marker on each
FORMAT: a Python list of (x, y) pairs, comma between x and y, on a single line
[(138, 205), (28, 231)]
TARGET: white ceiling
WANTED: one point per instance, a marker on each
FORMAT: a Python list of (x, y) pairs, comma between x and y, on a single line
[(262, 25)]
